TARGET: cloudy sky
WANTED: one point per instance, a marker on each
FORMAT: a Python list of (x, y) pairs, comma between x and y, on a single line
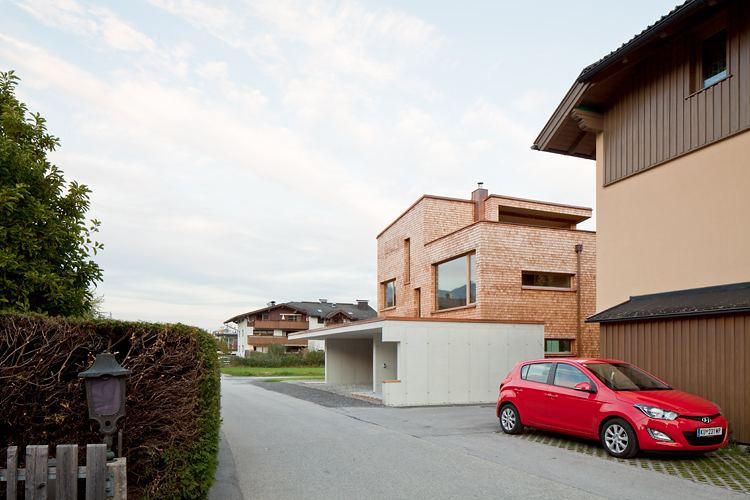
[(246, 151)]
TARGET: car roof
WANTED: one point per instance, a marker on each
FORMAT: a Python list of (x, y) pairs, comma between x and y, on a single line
[(573, 360)]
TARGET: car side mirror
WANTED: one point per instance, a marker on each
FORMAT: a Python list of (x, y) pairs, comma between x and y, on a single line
[(585, 387)]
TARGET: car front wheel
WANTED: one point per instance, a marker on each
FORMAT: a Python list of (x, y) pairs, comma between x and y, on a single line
[(618, 438), (510, 421)]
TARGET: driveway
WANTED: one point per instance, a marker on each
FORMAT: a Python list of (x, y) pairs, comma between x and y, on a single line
[(285, 447)]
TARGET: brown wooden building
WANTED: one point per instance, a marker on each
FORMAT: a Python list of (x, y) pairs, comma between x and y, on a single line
[(666, 117)]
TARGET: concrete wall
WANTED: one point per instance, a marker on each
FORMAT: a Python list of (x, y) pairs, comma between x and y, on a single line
[(384, 353), (682, 224), (348, 361), (453, 363)]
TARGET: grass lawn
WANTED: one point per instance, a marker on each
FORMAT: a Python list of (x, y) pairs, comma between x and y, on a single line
[(292, 371)]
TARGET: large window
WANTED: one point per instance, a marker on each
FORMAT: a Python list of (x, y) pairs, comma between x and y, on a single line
[(389, 292), (545, 280), (557, 346), (456, 282)]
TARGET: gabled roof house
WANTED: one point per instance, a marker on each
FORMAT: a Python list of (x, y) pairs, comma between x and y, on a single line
[(666, 117)]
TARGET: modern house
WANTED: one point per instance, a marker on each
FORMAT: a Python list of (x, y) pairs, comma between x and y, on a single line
[(466, 289), (493, 257), (666, 117), (273, 324)]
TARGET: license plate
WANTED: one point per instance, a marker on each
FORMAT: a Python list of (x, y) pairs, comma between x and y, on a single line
[(709, 431)]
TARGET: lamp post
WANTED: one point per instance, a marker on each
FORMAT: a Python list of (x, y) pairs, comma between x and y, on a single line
[(105, 395)]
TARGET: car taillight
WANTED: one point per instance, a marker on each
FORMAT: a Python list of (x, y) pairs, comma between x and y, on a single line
[(503, 383)]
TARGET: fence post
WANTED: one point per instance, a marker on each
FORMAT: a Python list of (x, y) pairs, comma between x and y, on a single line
[(96, 471), (67, 471), (36, 472), (11, 485)]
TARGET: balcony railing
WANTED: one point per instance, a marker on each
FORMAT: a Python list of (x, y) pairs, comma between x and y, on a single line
[(279, 325)]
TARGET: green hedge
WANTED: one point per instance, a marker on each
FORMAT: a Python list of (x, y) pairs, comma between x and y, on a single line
[(171, 429)]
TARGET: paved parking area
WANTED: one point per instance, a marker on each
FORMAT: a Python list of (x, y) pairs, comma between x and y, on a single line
[(726, 468)]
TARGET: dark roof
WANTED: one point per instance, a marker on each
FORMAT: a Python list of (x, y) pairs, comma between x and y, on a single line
[(677, 13), (326, 309), (724, 299), (322, 310)]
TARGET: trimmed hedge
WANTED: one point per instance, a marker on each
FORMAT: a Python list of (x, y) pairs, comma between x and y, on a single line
[(171, 427)]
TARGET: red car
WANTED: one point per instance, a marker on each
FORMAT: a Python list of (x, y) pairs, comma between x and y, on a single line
[(612, 401)]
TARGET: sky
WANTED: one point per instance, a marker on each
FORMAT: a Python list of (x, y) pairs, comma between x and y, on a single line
[(240, 152)]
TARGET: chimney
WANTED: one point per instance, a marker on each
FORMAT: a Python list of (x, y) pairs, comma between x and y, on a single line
[(361, 304), (271, 304), (478, 196), (323, 301)]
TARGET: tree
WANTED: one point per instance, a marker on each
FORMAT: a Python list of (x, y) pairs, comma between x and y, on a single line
[(45, 239)]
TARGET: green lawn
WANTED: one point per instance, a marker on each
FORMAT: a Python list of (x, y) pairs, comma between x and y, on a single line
[(293, 371)]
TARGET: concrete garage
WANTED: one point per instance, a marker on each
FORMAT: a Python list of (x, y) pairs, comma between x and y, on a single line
[(427, 362)]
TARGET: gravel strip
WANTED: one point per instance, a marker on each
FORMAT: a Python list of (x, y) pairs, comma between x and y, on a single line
[(321, 394)]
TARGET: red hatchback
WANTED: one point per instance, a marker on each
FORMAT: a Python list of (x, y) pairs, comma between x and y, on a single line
[(612, 401)]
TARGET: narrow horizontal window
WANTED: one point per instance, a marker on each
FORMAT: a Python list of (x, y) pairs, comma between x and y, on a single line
[(557, 346), (546, 280)]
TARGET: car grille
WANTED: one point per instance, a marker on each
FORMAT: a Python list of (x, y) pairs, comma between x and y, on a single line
[(702, 416), (694, 440)]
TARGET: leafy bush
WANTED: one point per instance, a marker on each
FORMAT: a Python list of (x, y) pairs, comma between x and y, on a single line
[(171, 430), (315, 358)]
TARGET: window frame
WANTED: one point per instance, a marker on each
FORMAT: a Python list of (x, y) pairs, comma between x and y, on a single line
[(527, 367), (470, 257), (708, 29), (570, 288), (554, 376), (558, 353), (386, 284)]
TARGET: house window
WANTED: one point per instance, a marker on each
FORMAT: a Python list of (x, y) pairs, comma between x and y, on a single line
[(557, 346), (545, 280), (390, 293), (291, 317), (265, 317), (407, 259), (714, 58), (453, 279)]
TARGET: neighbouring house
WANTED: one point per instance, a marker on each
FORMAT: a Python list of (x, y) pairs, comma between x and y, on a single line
[(273, 324), (466, 289), (493, 257), (228, 336), (666, 117)]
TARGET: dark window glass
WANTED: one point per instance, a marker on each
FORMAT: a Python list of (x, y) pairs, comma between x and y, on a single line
[(557, 346), (569, 376), (453, 279), (537, 372), (714, 58), (625, 377), (390, 294), (548, 280)]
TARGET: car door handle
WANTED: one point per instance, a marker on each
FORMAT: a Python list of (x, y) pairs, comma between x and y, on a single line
[(553, 396)]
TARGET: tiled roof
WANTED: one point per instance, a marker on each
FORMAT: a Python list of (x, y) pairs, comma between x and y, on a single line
[(641, 37), (722, 299), (325, 309)]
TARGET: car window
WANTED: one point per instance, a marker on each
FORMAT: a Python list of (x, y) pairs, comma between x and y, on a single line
[(568, 376), (625, 377), (536, 372)]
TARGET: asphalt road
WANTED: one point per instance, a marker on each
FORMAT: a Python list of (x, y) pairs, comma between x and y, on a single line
[(278, 445)]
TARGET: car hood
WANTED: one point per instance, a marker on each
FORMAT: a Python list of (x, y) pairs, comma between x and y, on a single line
[(681, 402)]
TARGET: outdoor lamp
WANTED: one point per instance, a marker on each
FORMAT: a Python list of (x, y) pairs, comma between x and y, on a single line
[(105, 394)]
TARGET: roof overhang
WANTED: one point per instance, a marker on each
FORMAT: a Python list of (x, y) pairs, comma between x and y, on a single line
[(573, 133)]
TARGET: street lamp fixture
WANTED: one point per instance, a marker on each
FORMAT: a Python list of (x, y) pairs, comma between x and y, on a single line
[(105, 394)]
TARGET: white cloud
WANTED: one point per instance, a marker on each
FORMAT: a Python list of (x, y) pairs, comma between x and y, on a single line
[(212, 70)]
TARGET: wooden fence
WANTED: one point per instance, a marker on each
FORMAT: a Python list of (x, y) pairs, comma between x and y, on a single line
[(63, 469)]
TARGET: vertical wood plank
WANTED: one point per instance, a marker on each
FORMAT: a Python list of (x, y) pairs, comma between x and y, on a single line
[(740, 389), (673, 83), (646, 116), (66, 486), (725, 105), (96, 471), (734, 65), (36, 472), (11, 485), (639, 81), (744, 66), (659, 89), (681, 62)]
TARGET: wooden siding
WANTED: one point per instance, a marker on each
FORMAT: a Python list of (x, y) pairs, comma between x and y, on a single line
[(708, 356), (655, 118)]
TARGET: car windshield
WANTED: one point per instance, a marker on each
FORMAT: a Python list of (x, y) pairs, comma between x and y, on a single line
[(625, 377)]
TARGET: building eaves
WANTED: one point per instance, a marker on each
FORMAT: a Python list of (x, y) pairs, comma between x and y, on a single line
[(724, 299), (644, 36)]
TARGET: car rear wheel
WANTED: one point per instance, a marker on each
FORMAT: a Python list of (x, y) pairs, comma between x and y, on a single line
[(510, 420), (618, 438)]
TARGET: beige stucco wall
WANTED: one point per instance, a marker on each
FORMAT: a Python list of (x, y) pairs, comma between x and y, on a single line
[(683, 224)]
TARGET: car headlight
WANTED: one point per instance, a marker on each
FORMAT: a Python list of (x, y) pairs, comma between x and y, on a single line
[(719, 408), (657, 413)]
